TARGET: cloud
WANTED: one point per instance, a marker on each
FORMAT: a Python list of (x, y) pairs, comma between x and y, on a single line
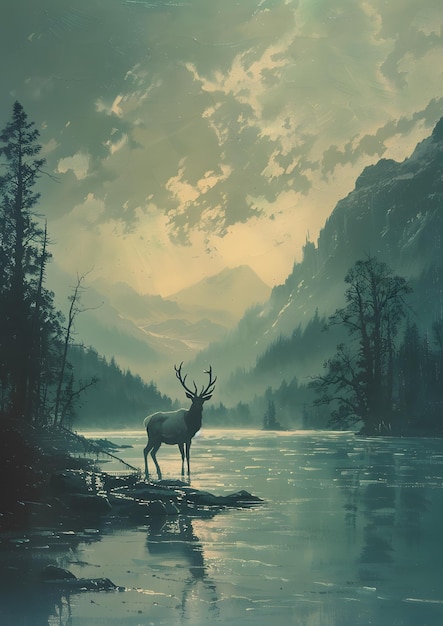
[(191, 127), (414, 31), (78, 164), (384, 141), (113, 108), (188, 196)]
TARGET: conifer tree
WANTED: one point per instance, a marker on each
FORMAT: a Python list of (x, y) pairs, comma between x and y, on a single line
[(21, 260)]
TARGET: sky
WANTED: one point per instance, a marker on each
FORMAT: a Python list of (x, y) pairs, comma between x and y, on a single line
[(184, 137)]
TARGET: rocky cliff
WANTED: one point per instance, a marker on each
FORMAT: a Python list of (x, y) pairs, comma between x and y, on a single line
[(395, 213)]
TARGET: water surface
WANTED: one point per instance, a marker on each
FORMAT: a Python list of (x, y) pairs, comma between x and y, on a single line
[(349, 534)]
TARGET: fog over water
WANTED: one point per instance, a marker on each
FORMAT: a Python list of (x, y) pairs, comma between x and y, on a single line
[(349, 534)]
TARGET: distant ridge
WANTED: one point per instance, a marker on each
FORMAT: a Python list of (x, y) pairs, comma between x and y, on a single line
[(147, 334), (233, 290)]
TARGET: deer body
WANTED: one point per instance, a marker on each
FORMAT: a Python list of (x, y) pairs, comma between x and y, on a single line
[(177, 427)]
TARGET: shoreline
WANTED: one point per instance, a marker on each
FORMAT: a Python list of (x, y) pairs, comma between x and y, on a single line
[(60, 498)]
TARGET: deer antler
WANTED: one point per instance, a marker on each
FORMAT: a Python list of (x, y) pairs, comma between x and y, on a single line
[(178, 373), (206, 392)]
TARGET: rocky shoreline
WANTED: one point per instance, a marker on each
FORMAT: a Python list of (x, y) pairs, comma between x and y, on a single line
[(58, 497)]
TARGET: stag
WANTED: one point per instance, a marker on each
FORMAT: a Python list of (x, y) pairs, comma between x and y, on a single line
[(177, 427)]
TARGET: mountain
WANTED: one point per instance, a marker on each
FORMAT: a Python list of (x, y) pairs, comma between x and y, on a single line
[(147, 333), (395, 212), (135, 306), (232, 292)]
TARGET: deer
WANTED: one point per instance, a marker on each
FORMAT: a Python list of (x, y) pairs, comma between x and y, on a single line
[(177, 427)]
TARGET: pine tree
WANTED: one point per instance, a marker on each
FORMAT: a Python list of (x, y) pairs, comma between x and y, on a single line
[(22, 263)]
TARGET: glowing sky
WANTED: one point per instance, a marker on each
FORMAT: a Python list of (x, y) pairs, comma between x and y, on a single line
[(183, 137)]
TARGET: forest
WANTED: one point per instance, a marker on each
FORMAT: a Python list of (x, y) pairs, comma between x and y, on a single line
[(383, 375), (118, 400), (46, 379)]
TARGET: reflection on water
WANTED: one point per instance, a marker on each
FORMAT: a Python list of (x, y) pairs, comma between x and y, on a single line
[(24, 598), (349, 535), (174, 541)]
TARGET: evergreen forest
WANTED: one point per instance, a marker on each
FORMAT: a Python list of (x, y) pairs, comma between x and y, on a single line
[(46, 380), (383, 375)]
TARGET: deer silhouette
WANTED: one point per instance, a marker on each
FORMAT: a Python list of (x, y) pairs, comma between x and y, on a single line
[(177, 427)]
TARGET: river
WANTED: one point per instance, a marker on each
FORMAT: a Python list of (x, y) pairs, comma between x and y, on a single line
[(349, 534)]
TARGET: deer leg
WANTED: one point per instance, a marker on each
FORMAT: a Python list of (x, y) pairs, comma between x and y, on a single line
[(182, 452), (188, 455), (146, 450), (154, 458)]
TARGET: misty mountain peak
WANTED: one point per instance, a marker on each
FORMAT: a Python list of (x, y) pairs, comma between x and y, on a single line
[(395, 214), (233, 290)]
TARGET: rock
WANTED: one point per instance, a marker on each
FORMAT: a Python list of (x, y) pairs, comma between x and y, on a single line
[(204, 498), (36, 509), (94, 584), (242, 498), (51, 573), (67, 482), (175, 484), (142, 491), (89, 503), (157, 507), (63, 578), (138, 510), (177, 497), (111, 482)]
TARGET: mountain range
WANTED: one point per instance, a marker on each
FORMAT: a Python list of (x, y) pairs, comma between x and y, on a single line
[(395, 213), (256, 338), (148, 334)]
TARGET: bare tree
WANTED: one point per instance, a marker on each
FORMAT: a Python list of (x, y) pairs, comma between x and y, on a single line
[(65, 397)]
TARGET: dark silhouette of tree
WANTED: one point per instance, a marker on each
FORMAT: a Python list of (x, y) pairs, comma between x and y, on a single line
[(420, 389), (34, 374), (359, 378), (38, 381), (66, 392), (22, 262), (437, 329), (269, 419), (411, 358), (118, 399), (437, 377), (302, 346), (36, 351)]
